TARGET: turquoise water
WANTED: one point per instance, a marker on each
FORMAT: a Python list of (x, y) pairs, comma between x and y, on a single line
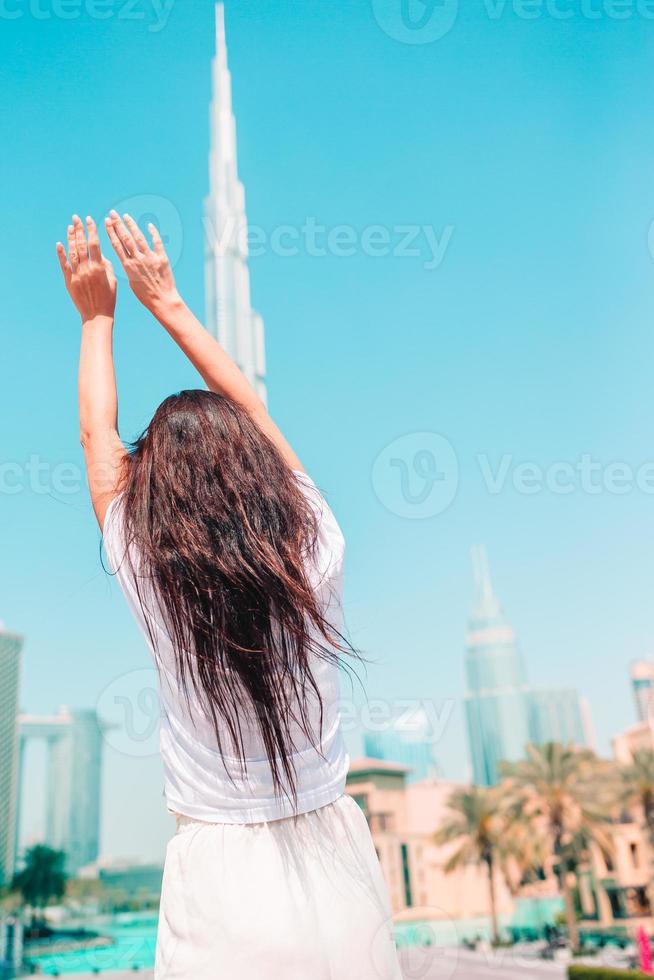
[(135, 940), (135, 937), (529, 918)]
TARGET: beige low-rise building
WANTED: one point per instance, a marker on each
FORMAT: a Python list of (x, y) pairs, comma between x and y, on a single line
[(614, 890), (634, 739), (622, 881), (403, 818)]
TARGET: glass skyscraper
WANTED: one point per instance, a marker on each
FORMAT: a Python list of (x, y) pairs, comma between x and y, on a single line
[(503, 713), (497, 704), (10, 649), (555, 716), (406, 741), (72, 816)]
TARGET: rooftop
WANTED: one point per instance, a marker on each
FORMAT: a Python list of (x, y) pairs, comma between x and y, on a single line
[(359, 766)]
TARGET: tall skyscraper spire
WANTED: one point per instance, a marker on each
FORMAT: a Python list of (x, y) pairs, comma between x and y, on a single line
[(503, 713), (486, 604), (230, 316), (497, 707), (481, 571)]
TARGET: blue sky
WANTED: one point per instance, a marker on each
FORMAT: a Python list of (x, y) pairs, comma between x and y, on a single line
[(525, 146)]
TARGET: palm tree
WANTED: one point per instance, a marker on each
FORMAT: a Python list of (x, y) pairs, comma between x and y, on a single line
[(42, 878), (637, 787), (567, 792), (523, 851), (477, 822)]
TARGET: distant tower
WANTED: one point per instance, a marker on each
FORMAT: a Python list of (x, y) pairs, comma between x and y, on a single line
[(642, 682), (10, 649), (497, 705), (406, 740), (72, 819), (559, 715), (230, 316), (503, 713)]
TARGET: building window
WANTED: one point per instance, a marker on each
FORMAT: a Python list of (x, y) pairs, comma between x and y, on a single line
[(637, 902), (362, 801), (406, 874), (634, 854), (616, 900), (380, 822)]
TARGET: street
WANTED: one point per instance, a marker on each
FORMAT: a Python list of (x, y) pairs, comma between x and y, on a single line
[(437, 963)]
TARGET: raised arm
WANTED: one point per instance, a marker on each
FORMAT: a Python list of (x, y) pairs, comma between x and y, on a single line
[(152, 281), (91, 283)]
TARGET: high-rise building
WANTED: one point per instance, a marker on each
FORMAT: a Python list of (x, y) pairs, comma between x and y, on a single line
[(74, 774), (497, 704), (556, 716), (10, 649), (11, 946), (230, 316), (503, 713), (642, 683), (406, 741)]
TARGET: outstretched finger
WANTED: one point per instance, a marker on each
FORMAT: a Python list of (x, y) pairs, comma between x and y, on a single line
[(124, 234), (72, 248), (116, 243), (80, 239), (138, 236), (157, 242), (95, 252), (63, 261)]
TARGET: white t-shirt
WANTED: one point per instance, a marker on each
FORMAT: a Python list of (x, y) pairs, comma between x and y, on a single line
[(197, 784)]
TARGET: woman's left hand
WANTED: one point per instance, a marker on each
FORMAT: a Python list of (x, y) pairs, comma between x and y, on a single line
[(89, 277), (148, 268)]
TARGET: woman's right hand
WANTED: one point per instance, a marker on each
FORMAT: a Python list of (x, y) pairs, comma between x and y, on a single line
[(148, 268), (89, 277)]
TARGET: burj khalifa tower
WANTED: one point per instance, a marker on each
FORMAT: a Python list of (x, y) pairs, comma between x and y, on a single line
[(230, 317)]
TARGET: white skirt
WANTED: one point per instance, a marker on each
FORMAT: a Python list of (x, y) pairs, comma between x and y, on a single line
[(295, 899)]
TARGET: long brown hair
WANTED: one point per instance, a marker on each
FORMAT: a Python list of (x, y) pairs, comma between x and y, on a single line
[(215, 521)]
